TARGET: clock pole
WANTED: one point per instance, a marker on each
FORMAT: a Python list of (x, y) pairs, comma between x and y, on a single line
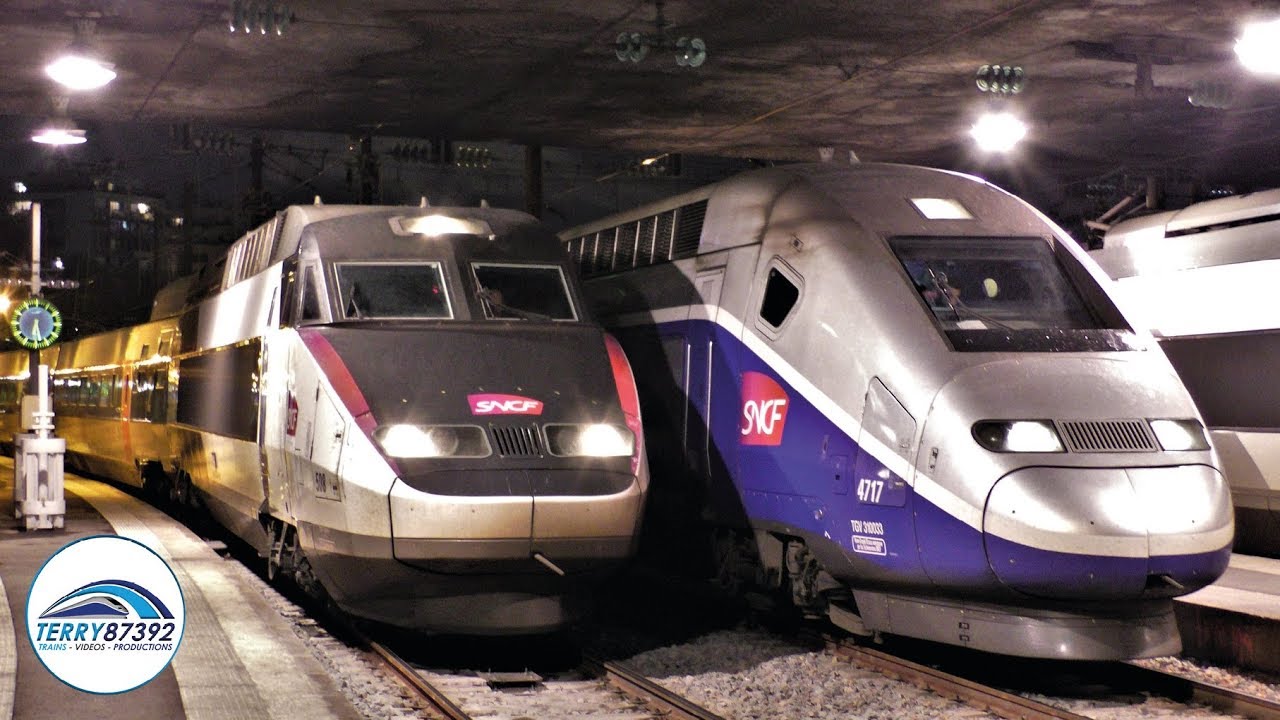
[(38, 493), (33, 355)]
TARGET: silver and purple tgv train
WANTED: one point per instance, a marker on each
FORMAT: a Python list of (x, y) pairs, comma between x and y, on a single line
[(408, 407), (902, 397), (1203, 280)]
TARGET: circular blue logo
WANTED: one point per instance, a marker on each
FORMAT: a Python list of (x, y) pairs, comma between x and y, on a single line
[(105, 614)]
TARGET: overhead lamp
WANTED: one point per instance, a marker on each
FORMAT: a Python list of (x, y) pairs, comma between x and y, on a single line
[(1259, 47), (59, 136), (59, 130), (78, 69), (998, 132), (78, 72)]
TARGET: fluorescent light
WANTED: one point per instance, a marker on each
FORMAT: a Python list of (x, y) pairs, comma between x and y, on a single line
[(1259, 47), (77, 72), (998, 132), (59, 136)]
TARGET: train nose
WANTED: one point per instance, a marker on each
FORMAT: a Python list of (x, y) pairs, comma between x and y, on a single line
[(1108, 533)]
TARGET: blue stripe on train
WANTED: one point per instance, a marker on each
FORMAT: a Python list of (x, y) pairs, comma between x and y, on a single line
[(810, 482)]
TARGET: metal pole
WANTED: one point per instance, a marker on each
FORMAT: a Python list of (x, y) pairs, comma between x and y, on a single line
[(35, 249), (33, 356)]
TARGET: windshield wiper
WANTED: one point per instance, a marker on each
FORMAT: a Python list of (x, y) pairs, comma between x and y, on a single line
[(353, 308), (955, 304), (494, 299)]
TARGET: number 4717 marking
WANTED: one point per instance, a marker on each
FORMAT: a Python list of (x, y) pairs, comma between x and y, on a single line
[(869, 491)]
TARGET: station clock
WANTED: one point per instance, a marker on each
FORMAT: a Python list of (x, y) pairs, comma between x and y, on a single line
[(36, 323)]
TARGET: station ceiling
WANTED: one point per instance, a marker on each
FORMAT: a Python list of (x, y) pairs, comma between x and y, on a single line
[(1106, 81)]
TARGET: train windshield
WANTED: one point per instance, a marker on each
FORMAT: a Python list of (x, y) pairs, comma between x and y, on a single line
[(1005, 294), (388, 290), (523, 292)]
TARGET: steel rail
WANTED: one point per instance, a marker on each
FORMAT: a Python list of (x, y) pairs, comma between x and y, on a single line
[(419, 684), (1219, 698), (665, 702), (989, 699)]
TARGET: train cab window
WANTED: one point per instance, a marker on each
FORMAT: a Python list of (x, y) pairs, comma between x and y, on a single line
[(523, 292), (1009, 293), (392, 290), (780, 296)]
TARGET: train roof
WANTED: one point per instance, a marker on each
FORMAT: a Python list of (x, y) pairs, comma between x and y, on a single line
[(284, 235), (1202, 216), (1214, 232), (880, 196)]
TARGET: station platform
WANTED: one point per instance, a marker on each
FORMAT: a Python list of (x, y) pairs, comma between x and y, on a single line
[(237, 659), (1235, 621)]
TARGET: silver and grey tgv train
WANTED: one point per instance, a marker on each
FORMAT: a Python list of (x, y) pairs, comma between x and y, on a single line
[(1204, 280), (408, 407), (901, 397)]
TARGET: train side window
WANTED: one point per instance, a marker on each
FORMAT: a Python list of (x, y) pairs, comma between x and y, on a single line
[(159, 395), (310, 295), (141, 395), (289, 292), (780, 295)]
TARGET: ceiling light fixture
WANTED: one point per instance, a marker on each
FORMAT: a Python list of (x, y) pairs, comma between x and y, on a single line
[(263, 18), (53, 135), (60, 130), (77, 72), (998, 132), (634, 46), (1259, 47), (1003, 79), (79, 68)]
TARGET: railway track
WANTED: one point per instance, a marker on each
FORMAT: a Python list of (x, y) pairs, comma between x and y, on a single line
[(983, 697), (602, 689), (1017, 707)]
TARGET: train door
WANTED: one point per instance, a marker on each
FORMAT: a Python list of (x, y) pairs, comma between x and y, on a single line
[(712, 439), (327, 440), (699, 361), (881, 519), (277, 408)]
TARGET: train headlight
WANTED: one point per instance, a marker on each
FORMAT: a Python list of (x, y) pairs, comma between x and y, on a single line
[(430, 441), (596, 440), (1185, 434), (1018, 436)]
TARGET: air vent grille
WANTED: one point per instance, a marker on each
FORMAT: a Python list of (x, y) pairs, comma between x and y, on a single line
[(517, 441), (1108, 436)]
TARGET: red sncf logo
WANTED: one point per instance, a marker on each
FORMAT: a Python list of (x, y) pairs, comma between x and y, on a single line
[(493, 404), (764, 410)]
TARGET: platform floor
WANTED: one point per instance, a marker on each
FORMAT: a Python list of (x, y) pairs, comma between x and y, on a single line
[(1236, 621), (237, 659)]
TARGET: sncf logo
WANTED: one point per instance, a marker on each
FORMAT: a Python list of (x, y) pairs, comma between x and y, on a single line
[(764, 410), (492, 404)]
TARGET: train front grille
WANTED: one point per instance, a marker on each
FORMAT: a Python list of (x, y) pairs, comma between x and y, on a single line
[(1108, 436), (516, 441)]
